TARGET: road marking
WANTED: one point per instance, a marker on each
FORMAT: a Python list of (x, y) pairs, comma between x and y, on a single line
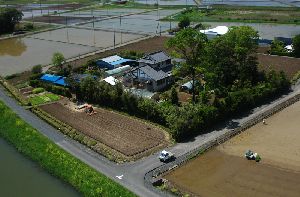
[(120, 177)]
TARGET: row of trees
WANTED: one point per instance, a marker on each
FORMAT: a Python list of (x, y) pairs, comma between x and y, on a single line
[(9, 17)]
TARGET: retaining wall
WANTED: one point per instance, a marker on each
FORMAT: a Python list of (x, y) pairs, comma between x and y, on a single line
[(152, 176)]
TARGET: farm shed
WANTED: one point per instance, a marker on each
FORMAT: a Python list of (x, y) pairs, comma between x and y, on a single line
[(118, 71), (187, 86), (214, 32), (113, 62), (58, 80)]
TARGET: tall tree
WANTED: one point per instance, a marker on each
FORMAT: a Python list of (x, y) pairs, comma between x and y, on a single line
[(57, 60), (296, 46), (189, 44), (9, 17), (232, 57)]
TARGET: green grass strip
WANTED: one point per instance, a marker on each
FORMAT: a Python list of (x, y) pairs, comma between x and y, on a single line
[(45, 98), (55, 160)]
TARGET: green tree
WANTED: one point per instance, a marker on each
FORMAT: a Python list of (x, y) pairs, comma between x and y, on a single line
[(174, 96), (296, 46), (189, 44), (9, 17), (277, 47), (232, 57), (57, 60), (184, 22), (37, 69)]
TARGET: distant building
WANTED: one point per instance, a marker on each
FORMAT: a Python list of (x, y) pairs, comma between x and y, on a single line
[(214, 32), (113, 62)]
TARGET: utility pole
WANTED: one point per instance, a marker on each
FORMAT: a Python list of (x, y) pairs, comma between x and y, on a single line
[(41, 7), (114, 37), (121, 27)]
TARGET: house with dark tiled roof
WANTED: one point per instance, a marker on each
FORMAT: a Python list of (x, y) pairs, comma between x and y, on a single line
[(155, 70)]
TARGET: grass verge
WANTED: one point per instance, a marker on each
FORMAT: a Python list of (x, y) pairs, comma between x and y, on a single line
[(54, 159)]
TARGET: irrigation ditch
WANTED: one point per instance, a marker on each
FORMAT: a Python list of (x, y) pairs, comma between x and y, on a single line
[(154, 177)]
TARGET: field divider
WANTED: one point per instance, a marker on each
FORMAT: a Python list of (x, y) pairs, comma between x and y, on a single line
[(154, 175)]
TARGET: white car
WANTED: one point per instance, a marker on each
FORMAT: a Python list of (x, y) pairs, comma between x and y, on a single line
[(165, 156)]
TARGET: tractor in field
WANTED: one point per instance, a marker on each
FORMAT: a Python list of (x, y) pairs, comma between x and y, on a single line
[(250, 155)]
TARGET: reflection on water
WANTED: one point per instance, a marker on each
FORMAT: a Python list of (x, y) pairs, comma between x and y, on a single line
[(21, 177), (12, 47)]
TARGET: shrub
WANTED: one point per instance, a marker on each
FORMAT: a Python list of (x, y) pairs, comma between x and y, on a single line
[(38, 90), (11, 76), (37, 69)]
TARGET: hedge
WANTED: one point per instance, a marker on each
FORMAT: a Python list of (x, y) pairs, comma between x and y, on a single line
[(54, 159)]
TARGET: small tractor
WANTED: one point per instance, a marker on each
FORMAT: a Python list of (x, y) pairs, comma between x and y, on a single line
[(250, 155)]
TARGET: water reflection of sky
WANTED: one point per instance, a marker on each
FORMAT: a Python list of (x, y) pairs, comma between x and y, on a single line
[(141, 23)]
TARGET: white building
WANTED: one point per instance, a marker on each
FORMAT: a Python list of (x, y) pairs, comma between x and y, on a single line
[(214, 32)]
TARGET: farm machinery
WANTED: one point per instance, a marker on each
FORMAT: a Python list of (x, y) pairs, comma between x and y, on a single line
[(250, 155)]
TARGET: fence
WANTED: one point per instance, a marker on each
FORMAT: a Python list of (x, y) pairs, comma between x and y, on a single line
[(152, 176)]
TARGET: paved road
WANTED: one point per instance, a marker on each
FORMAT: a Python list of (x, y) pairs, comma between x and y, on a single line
[(133, 173)]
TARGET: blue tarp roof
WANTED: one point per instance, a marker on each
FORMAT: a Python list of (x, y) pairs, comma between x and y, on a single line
[(50, 78), (59, 80)]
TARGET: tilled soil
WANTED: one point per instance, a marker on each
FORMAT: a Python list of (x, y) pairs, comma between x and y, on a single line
[(224, 171), (221, 175), (124, 134), (289, 65)]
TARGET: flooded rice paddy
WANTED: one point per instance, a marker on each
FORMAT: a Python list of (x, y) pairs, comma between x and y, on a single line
[(21, 54), (265, 30), (138, 23), (223, 171), (21, 177), (87, 37)]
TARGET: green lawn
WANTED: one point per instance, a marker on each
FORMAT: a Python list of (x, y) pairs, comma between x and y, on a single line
[(55, 160), (45, 98)]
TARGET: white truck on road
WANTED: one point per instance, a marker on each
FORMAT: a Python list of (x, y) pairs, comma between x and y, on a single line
[(165, 156)]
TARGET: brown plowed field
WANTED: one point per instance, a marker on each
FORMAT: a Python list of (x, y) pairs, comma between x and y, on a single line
[(124, 134), (224, 171), (289, 65)]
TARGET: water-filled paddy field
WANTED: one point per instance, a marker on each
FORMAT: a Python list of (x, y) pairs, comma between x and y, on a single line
[(223, 171), (21, 54)]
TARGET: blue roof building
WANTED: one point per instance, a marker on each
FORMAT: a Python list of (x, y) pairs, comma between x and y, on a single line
[(58, 80), (113, 62)]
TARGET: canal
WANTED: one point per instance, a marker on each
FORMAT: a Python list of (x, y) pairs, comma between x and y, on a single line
[(22, 177)]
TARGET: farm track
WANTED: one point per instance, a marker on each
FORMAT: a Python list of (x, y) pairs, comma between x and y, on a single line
[(122, 133)]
